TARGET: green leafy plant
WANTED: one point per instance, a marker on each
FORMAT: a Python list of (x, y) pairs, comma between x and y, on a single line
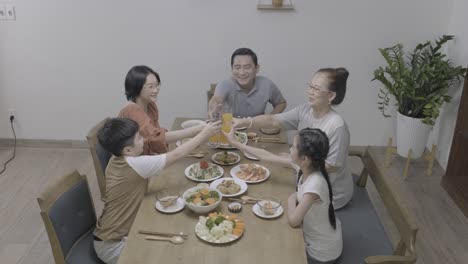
[(419, 82)]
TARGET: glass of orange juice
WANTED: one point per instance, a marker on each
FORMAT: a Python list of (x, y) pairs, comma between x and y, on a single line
[(215, 139), (227, 123)]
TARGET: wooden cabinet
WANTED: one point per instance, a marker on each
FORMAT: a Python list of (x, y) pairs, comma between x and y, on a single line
[(455, 180)]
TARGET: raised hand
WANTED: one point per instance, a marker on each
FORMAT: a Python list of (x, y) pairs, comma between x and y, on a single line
[(211, 128)]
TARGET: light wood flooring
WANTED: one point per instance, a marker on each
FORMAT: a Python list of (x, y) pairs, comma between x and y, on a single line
[(442, 237)]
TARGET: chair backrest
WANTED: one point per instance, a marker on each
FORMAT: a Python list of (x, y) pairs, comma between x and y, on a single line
[(100, 156), (210, 92), (68, 213)]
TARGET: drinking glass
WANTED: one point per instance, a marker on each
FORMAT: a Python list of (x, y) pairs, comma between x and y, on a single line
[(227, 123)]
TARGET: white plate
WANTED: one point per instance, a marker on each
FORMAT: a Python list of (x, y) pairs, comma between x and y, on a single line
[(235, 169), (232, 238), (226, 164), (243, 139), (259, 212), (241, 128), (191, 123), (247, 155), (180, 142), (206, 180), (242, 185), (176, 207)]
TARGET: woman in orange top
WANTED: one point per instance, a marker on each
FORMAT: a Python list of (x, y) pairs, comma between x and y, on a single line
[(142, 86)]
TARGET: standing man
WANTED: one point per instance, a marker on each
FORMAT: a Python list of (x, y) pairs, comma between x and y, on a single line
[(247, 93)]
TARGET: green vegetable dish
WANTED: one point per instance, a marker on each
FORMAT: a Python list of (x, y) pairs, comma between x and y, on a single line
[(203, 197), (204, 174)]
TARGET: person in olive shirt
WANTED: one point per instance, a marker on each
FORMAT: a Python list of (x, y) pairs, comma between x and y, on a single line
[(127, 175)]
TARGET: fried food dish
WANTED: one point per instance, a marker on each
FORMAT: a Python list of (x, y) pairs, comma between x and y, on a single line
[(228, 187), (251, 172)]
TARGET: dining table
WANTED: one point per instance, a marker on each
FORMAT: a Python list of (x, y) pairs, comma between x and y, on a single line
[(263, 240)]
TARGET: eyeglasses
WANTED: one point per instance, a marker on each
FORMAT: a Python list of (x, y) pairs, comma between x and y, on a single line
[(316, 89), (153, 86)]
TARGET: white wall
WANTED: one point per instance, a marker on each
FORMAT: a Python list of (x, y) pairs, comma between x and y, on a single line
[(458, 54), (62, 63)]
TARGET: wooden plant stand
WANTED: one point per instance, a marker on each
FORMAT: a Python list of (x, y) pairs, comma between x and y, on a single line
[(430, 157)]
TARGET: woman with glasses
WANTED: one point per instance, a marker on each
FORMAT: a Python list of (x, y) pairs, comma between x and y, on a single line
[(327, 87), (142, 86)]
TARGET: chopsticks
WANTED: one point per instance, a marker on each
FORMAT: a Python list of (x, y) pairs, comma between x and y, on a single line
[(270, 140), (181, 234)]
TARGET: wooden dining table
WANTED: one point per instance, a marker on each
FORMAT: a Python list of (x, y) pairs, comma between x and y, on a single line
[(263, 241)]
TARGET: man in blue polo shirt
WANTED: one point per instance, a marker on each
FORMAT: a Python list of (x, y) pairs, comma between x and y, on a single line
[(246, 93)]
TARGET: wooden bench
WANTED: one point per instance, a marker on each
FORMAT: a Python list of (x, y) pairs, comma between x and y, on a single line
[(364, 237)]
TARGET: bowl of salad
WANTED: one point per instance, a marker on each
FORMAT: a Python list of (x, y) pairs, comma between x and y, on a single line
[(202, 199)]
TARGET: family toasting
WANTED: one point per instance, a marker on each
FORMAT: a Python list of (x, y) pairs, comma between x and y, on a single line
[(139, 148)]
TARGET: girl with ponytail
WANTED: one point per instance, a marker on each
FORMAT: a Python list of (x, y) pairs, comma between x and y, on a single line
[(311, 206)]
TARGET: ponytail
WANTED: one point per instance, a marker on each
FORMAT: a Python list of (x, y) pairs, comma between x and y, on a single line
[(313, 143), (331, 210)]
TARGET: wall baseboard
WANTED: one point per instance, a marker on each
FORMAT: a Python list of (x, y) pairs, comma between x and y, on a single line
[(44, 143)]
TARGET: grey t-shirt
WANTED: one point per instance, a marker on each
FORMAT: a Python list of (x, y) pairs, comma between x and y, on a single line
[(252, 103), (338, 136)]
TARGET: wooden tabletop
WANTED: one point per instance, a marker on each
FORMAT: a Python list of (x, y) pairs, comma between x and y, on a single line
[(264, 241)]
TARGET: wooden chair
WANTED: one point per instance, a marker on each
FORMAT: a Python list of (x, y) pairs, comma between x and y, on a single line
[(364, 238), (69, 218), (100, 156)]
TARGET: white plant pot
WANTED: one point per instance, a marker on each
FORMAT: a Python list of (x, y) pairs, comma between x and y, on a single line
[(412, 134)]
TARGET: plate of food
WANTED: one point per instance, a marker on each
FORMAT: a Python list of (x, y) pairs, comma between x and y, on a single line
[(218, 228), (240, 136), (250, 173), (191, 123), (268, 207), (225, 158), (180, 142), (178, 205), (229, 187), (169, 201), (204, 171)]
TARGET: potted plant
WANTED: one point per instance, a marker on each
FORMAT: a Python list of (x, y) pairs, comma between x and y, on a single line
[(419, 83)]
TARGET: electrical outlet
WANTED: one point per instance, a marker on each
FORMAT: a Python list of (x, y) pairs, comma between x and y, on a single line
[(3, 14), (12, 112), (10, 12)]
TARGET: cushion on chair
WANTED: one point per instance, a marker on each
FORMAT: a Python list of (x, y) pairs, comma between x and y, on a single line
[(104, 157), (83, 251), (363, 233), (72, 215)]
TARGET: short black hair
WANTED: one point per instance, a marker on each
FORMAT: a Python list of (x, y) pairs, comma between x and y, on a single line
[(244, 51), (136, 78), (116, 134), (337, 78)]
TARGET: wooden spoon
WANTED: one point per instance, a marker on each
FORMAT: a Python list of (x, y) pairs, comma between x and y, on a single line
[(173, 240)]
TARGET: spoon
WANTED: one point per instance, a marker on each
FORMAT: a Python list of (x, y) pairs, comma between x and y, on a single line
[(246, 198), (196, 155), (173, 240)]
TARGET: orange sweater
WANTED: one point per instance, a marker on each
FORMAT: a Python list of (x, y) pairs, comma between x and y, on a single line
[(154, 136)]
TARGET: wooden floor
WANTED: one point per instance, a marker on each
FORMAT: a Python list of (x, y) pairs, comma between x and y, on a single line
[(442, 237)]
